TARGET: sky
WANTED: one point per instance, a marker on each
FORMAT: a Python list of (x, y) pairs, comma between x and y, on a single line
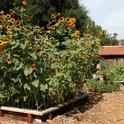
[(107, 13)]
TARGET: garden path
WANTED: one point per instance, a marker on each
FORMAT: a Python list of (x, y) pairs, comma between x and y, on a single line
[(107, 108)]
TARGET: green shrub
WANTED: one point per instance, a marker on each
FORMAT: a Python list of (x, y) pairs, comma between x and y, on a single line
[(105, 86), (116, 73)]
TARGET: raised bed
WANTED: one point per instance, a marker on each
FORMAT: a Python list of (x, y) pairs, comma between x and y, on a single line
[(29, 114)]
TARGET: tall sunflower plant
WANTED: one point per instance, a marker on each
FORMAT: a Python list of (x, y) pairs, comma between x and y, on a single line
[(34, 68)]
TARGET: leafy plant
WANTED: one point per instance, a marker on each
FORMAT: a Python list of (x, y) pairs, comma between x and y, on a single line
[(106, 86), (33, 70)]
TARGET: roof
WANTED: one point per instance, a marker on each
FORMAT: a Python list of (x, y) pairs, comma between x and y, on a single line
[(111, 50)]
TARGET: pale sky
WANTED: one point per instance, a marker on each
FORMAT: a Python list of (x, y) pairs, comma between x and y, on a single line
[(107, 13)]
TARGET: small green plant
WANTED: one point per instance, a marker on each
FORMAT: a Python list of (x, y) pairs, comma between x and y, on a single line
[(105, 86), (116, 73)]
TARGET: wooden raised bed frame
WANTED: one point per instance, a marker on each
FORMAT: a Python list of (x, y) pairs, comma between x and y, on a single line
[(31, 113)]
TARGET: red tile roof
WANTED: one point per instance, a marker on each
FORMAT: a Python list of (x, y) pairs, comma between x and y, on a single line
[(111, 50)]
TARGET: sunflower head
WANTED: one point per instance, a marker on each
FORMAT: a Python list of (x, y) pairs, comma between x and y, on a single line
[(33, 66), (11, 11), (17, 23), (24, 2), (77, 33), (30, 18), (72, 85), (70, 24), (53, 16), (61, 19), (61, 70), (12, 20), (8, 16)]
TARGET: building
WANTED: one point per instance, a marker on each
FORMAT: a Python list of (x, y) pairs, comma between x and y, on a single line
[(112, 54)]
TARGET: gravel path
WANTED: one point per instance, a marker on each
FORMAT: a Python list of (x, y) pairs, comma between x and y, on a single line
[(107, 108)]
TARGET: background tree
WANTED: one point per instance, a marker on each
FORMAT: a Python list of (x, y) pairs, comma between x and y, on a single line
[(42, 9), (109, 40)]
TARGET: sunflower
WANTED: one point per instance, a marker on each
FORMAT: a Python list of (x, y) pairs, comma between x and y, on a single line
[(49, 25), (11, 11), (70, 24), (1, 42), (77, 33), (8, 16), (72, 85), (53, 16), (67, 19), (26, 28), (52, 27), (12, 20), (37, 29), (58, 14), (8, 28), (24, 2), (33, 66), (4, 22), (45, 54), (80, 56), (72, 20), (61, 19), (30, 18), (17, 23), (61, 70)]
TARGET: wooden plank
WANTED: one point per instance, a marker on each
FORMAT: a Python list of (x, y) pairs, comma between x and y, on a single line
[(29, 118), (44, 112), (1, 113)]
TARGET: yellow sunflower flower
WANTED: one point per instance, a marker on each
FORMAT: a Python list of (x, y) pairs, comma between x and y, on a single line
[(3, 43), (17, 23), (72, 20), (24, 2), (72, 85), (8, 16), (70, 24), (11, 11), (61, 19), (8, 28), (53, 16), (61, 70), (4, 22), (37, 29), (33, 66), (58, 14), (77, 33), (12, 20), (49, 25)]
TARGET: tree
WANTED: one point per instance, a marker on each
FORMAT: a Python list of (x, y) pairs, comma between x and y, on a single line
[(69, 8), (109, 40), (93, 29)]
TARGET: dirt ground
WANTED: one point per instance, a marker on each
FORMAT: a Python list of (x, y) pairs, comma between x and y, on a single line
[(106, 108)]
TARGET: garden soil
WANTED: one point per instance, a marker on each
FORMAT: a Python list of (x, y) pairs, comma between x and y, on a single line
[(106, 108)]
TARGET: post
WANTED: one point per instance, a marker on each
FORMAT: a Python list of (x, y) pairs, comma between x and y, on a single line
[(29, 118)]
